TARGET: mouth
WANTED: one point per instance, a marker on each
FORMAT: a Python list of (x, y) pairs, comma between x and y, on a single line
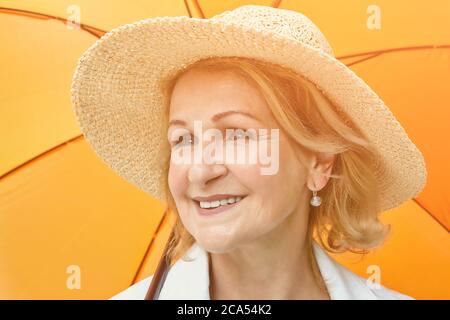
[(217, 203)]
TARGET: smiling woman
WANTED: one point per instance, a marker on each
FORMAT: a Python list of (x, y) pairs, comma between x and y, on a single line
[(240, 233), (316, 144)]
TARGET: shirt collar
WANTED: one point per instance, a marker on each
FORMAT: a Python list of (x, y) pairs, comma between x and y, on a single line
[(188, 278), (341, 283)]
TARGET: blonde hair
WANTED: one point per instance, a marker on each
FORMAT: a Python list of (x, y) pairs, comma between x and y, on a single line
[(347, 219)]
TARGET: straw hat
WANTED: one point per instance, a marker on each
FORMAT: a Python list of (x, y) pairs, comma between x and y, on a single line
[(119, 104)]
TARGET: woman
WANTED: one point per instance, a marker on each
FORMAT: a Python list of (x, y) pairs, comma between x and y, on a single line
[(166, 101)]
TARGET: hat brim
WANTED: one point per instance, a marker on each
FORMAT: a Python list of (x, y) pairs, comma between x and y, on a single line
[(118, 104)]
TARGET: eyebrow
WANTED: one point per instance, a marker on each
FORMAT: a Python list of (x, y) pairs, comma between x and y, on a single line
[(217, 117)]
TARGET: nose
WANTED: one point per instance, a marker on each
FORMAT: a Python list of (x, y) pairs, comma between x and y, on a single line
[(202, 174)]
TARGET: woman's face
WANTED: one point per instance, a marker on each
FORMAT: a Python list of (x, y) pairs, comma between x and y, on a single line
[(224, 100)]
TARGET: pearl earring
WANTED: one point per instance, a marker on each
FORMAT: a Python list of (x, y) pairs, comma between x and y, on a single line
[(315, 200)]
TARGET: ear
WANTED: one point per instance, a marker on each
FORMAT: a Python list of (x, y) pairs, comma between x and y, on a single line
[(323, 165)]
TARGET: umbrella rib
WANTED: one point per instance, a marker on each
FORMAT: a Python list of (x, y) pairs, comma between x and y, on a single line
[(363, 59), (432, 216), (409, 48), (42, 16), (186, 4), (199, 9), (147, 251), (7, 173), (276, 3)]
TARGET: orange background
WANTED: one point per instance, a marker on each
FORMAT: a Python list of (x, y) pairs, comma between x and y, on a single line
[(60, 205)]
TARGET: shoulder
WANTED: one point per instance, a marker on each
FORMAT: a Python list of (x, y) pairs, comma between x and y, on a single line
[(135, 292)]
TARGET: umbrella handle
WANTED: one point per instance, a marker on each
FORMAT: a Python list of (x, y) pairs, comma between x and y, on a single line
[(160, 274)]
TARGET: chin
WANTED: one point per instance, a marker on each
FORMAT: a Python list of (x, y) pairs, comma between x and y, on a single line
[(216, 244)]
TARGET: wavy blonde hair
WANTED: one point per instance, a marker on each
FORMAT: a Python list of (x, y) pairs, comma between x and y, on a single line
[(347, 219)]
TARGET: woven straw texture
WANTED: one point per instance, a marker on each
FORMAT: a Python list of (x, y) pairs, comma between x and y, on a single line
[(118, 103)]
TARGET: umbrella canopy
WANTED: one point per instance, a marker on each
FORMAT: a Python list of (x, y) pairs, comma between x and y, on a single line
[(64, 213)]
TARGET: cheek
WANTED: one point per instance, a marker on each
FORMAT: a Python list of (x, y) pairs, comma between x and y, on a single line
[(249, 176), (281, 191), (177, 181), (264, 199), (290, 174)]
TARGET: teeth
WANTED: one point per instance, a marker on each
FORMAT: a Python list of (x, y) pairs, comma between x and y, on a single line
[(217, 203)]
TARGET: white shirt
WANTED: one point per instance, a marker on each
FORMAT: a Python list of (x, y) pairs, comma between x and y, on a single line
[(190, 280)]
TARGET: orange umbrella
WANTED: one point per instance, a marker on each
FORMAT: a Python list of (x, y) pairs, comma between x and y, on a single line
[(63, 213), (61, 221)]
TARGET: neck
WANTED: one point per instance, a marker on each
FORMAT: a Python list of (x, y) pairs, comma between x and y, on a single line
[(278, 266)]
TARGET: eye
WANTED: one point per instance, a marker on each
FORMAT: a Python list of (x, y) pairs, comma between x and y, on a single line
[(239, 134), (183, 140)]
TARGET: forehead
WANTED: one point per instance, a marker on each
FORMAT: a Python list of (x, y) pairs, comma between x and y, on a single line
[(199, 94)]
